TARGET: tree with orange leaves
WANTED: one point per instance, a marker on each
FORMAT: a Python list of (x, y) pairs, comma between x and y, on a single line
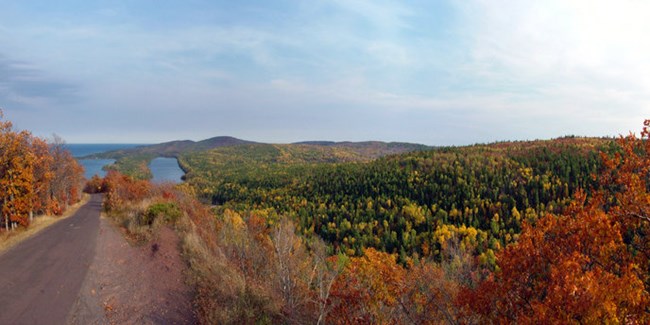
[(32, 178), (369, 290), (16, 175), (65, 186), (43, 175), (625, 196), (121, 189)]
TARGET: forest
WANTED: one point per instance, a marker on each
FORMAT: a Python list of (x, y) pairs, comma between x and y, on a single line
[(408, 204), (514, 232), (36, 177)]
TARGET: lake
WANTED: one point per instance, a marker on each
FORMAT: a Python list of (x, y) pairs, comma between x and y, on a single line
[(163, 169), (166, 170), (94, 167)]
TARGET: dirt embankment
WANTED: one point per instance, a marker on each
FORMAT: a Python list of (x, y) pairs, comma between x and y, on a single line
[(134, 285)]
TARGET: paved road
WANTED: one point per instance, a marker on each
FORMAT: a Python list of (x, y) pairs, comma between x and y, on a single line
[(41, 277)]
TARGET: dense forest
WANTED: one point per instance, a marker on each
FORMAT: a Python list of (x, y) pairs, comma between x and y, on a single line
[(36, 177), (409, 204), (134, 161)]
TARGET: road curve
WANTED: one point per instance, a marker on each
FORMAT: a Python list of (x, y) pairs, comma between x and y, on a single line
[(40, 278)]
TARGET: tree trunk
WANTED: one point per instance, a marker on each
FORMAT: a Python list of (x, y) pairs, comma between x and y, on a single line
[(6, 217)]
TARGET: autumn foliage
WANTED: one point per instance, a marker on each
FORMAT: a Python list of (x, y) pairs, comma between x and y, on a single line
[(588, 265), (36, 177), (121, 189)]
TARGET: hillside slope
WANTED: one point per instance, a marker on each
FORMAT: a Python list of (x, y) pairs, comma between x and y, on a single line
[(134, 161), (409, 203), (170, 149)]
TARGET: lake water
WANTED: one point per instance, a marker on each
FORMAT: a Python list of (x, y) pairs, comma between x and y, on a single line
[(166, 170), (94, 167), (163, 169)]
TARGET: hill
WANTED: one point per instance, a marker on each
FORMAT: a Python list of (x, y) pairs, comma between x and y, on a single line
[(370, 149), (408, 203), (134, 161), (170, 149)]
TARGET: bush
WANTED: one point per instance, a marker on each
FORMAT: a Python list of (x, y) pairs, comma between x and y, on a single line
[(167, 210), (95, 185)]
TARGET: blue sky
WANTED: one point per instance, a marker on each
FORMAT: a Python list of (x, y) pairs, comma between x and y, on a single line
[(433, 72)]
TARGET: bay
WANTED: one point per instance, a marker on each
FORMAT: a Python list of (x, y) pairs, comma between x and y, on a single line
[(163, 169), (94, 167)]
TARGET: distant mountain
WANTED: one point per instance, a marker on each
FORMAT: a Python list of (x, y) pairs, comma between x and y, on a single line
[(370, 149), (367, 149), (172, 148), (229, 150)]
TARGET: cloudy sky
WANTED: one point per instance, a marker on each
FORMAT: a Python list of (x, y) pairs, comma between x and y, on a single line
[(427, 71)]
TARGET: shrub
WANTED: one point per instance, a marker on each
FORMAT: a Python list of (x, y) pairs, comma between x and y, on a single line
[(95, 185), (169, 211)]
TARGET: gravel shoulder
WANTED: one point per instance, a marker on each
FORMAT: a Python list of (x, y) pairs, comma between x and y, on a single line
[(134, 285)]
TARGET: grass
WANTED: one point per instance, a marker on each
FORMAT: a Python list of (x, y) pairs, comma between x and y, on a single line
[(128, 219), (9, 239), (140, 222)]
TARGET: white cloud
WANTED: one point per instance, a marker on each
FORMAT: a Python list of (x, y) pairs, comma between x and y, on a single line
[(580, 61), (560, 39)]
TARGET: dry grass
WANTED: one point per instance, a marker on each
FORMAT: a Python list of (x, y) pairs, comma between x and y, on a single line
[(127, 219), (9, 239), (139, 222)]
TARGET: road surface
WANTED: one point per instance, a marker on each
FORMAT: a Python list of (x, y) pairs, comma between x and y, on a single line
[(40, 278)]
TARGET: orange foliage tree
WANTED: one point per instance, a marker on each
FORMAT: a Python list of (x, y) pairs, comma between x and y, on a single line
[(16, 176), (589, 265), (369, 290), (43, 175), (30, 171), (65, 186), (121, 189), (626, 196)]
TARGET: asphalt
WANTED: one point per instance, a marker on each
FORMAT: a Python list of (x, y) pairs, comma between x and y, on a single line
[(40, 278)]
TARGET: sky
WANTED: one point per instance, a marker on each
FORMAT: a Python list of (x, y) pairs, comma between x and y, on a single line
[(427, 71)]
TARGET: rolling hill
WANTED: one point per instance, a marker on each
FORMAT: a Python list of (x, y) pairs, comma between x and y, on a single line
[(134, 161), (170, 149)]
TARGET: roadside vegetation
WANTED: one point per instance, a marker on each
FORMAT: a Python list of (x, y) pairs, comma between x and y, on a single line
[(526, 232)]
